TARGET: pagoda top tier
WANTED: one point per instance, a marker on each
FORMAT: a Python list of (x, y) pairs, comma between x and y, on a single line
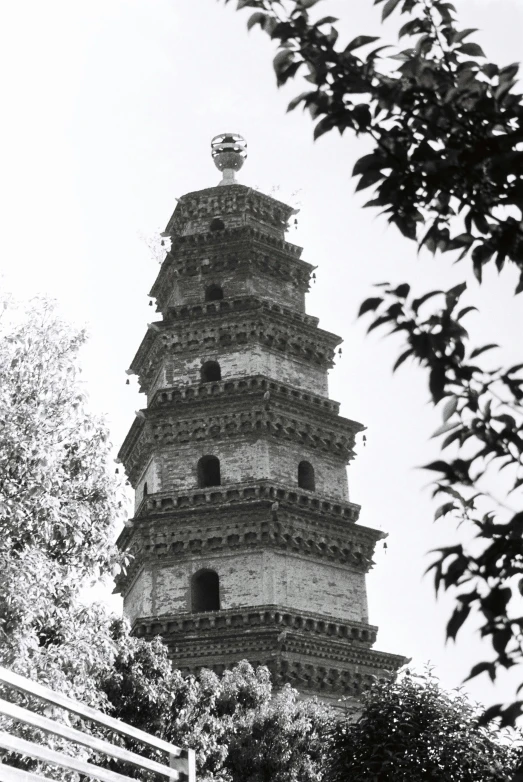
[(228, 204), (217, 208)]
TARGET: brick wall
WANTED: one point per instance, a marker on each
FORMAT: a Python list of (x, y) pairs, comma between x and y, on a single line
[(330, 475), (152, 476), (254, 578), (191, 290), (139, 599), (251, 360), (244, 459)]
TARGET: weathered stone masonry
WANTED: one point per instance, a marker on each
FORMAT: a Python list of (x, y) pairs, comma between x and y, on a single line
[(244, 541)]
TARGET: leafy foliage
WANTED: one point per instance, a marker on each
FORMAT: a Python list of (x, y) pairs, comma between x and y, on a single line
[(446, 125), (238, 729), (60, 501), (412, 729), (483, 425)]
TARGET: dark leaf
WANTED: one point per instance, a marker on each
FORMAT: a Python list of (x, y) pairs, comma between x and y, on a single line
[(465, 311), (479, 351), (296, 101), (480, 668), (361, 40), (450, 407), (323, 126), (437, 382), (447, 507), (439, 466), (326, 20), (257, 18), (368, 179), (448, 427), (282, 59), (451, 438), (500, 639), (457, 37), (458, 617), (388, 8), (379, 322), (416, 304), (370, 305), (402, 358), (457, 290), (402, 291), (367, 163), (472, 49)]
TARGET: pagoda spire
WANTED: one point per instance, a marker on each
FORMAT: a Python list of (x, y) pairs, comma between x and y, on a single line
[(229, 152)]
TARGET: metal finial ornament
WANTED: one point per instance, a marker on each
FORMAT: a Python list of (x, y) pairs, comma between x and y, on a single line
[(229, 151)]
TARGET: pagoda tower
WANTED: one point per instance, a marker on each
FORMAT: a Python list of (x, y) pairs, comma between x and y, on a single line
[(244, 542)]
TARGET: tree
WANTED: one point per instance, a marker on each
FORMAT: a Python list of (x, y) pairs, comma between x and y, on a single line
[(412, 729), (446, 166), (241, 730), (60, 504)]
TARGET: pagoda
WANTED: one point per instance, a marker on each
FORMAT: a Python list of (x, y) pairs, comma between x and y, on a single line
[(244, 543)]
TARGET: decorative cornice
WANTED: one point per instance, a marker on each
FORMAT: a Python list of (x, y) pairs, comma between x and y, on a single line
[(195, 210), (234, 386), (269, 617), (248, 321), (227, 416), (208, 309), (307, 650), (188, 534), (252, 491), (242, 250)]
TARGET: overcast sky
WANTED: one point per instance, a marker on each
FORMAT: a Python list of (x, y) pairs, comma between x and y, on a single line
[(108, 110)]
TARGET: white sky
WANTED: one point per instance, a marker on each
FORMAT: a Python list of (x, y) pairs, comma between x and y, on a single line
[(108, 109)]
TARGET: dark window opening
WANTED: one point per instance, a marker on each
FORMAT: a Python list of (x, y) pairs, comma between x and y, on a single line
[(205, 591), (306, 476), (145, 489), (210, 372), (217, 224), (208, 471), (213, 293)]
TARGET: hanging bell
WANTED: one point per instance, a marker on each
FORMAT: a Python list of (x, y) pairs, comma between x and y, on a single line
[(339, 352), (150, 303), (117, 471), (385, 546), (127, 382)]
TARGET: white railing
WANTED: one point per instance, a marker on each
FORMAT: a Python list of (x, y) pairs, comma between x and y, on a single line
[(181, 762)]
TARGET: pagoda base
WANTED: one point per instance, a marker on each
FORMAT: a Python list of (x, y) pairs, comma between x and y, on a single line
[(327, 658)]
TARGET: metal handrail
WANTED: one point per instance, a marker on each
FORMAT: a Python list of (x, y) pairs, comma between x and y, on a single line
[(182, 766)]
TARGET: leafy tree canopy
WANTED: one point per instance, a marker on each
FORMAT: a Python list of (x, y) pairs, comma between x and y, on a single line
[(412, 729)]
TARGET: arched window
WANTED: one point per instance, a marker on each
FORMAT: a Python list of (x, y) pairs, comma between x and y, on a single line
[(217, 224), (208, 471), (205, 591), (210, 372), (213, 293), (145, 490), (306, 476)]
